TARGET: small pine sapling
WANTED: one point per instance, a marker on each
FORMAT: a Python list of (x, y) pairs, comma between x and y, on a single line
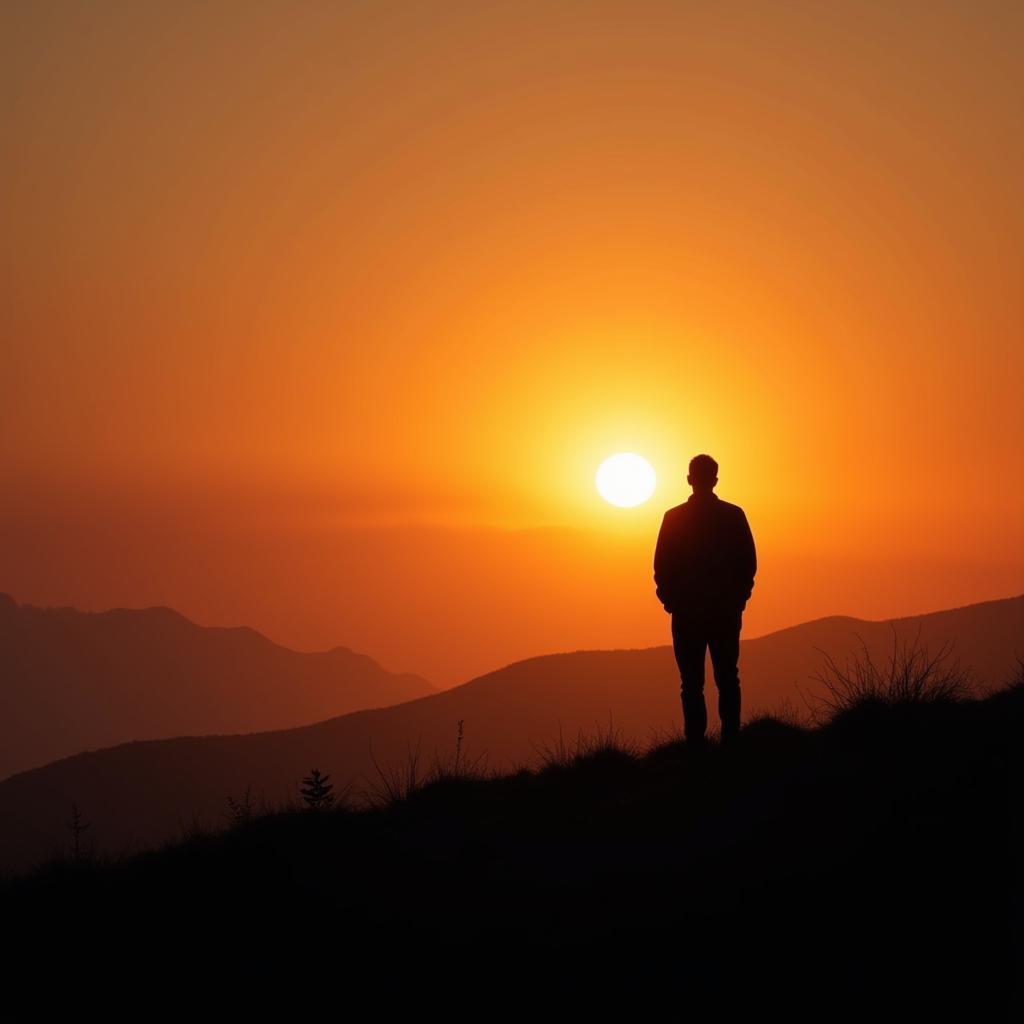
[(316, 791)]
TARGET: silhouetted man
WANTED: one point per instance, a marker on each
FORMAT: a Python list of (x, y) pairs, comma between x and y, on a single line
[(704, 566)]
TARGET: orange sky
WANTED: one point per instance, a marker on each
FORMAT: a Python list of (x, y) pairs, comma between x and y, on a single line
[(320, 317)]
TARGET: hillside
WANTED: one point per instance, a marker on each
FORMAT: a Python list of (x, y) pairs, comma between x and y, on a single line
[(874, 860), (76, 681), (142, 792)]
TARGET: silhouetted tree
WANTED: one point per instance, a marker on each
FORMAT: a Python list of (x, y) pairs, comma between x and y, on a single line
[(316, 791)]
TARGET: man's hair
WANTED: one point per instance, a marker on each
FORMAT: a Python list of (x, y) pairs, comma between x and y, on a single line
[(703, 469)]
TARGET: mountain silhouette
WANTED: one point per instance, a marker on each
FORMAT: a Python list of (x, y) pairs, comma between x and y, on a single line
[(143, 792), (76, 681)]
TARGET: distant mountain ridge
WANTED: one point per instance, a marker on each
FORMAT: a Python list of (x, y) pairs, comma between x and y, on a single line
[(74, 681), (143, 792)]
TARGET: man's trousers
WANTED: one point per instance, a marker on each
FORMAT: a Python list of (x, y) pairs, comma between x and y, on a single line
[(694, 632)]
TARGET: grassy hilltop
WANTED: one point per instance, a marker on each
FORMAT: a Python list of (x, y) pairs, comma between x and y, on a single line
[(872, 853)]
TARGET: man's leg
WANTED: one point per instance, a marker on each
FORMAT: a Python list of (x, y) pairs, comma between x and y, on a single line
[(724, 644), (689, 642)]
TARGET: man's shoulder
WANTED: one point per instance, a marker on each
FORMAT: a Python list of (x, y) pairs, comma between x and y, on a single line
[(726, 509), (730, 509)]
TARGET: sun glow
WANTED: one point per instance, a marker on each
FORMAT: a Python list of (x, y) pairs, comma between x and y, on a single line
[(625, 479)]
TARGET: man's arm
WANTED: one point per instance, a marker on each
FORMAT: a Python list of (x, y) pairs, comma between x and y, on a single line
[(662, 565), (748, 557)]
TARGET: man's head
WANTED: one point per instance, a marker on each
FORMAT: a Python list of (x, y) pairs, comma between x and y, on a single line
[(703, 474)]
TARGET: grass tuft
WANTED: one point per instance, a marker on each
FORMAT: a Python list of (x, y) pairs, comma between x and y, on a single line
[(604, 744), (911, 676)]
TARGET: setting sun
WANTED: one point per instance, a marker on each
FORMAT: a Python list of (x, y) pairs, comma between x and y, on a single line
[(625, 479)]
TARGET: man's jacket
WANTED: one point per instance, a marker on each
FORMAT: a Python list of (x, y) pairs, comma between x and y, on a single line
[(705, 558)]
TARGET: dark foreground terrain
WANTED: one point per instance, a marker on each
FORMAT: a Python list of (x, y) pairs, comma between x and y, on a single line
[(870, 864)]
